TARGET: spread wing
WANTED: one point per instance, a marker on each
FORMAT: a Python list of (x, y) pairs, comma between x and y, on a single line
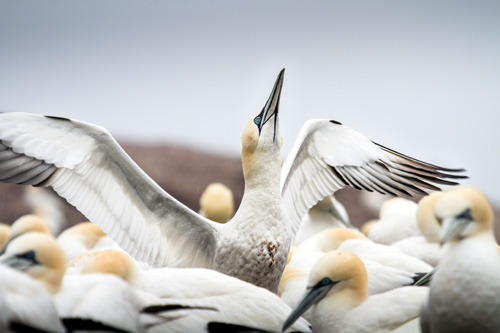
[(328, 156), (85, 165)]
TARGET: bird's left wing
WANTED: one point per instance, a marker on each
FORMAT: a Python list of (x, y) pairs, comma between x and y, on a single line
[(86, 166), (328, 156)]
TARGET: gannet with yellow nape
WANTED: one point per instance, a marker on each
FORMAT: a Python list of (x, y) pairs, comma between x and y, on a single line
[(338, 292), (85, 165), (465, 289)]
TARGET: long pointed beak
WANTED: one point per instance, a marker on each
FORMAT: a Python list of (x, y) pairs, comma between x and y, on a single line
[(453, 226), (311, 297), (14, 262), (272, 104), (426, 279)]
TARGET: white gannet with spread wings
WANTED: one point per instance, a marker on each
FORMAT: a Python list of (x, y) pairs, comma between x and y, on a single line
[(85, 165)]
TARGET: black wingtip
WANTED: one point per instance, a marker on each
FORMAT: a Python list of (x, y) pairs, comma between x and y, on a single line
[(231, 328), (154, 309), (335, 122), (58, 118), (85, 324)]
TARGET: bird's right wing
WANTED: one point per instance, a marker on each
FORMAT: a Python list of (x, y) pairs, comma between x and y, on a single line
[(86, 166), (328, 156)]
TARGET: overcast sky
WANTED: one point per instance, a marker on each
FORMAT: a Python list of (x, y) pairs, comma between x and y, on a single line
[(420, 77)]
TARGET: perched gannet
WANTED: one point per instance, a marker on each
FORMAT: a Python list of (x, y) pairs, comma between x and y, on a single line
[(24, 303), (327, 213), (102, 298), (84, 237), (4, 233), (426, 246), (46, 205), (381, 277), (25, 224), (397, 220), (234, 301), (337, 291), (465, 289), (85, 165), (217, 203)]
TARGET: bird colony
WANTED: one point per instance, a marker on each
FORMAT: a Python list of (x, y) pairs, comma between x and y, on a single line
[(288, 260)]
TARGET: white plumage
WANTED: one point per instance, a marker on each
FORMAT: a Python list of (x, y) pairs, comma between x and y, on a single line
[(24, 301), (397, 221), (85, 165), (465, 289), (425, 246), (327, 213), (232, 301), (337, 293)]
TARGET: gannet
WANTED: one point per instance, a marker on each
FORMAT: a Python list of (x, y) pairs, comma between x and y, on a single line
[(426, 246), (381, 277), (85, 165), (84, 237), (102, 298), (337, 291), (28, 223), (327, 213), (23, 301), (25, 224), (397, 220), (465, 289), (235, 302), (217, 203)]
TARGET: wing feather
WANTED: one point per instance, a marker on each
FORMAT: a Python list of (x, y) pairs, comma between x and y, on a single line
[(85, 165), (328, 156)]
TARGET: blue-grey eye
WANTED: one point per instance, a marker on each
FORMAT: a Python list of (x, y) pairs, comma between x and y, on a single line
[(325, 281), (257, 120), (29, 255)]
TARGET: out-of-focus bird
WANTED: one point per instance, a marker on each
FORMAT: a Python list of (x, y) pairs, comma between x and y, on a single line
[(85, 165), (84, 237), (231, 300), (217, 203), (24, 304), (425, 246), (102, 299), (45, 204), (337, 293), (397, 220), (465, 289), (327, 213), (4, 233)]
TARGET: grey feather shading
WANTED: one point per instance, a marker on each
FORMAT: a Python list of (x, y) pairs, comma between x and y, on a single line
[(405, 176), (22, 169)]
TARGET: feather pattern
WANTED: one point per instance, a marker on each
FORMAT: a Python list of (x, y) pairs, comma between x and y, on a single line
[(85, 165), (328, 156)]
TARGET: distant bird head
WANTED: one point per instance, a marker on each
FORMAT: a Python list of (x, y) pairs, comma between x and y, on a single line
[(463, 212), (38, 255), (28, 223), (217, 203), (426, 220), (261, 135)]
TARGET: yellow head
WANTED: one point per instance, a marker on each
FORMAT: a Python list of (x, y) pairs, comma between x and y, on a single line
[(28, 223), (217, 203), (463, 212), (38, 255)]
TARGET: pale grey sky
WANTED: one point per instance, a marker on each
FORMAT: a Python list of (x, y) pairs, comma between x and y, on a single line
[(420, 77)]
